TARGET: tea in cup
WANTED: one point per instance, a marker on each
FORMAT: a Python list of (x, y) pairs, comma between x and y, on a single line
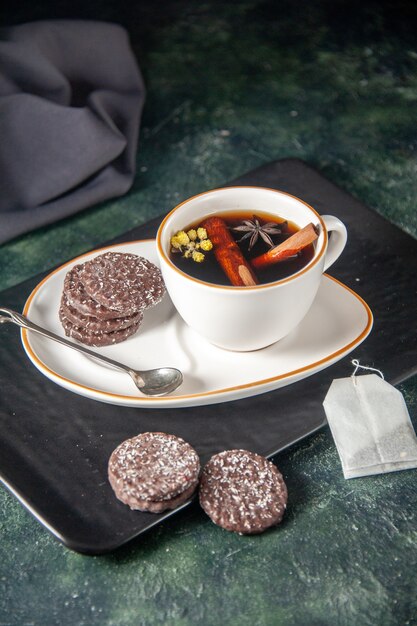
[(243, 265)]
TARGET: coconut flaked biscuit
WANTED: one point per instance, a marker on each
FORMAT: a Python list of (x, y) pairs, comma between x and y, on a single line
[(97, 339), (103, 299), (242, 492), (159, 506), (78, 298), (153, 468), (95, 324), (122, 282)]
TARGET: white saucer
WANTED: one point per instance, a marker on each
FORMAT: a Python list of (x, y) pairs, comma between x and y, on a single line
[(338, 322)]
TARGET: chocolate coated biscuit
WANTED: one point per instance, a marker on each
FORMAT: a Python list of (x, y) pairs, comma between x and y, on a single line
[(78, 298), (242, 491), (152, 468), (122, 282), (158, 506), (97, 339), (94, 324)]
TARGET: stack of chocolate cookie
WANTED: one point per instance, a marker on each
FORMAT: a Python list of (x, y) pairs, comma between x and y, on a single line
[(103, 299), (154, 472)]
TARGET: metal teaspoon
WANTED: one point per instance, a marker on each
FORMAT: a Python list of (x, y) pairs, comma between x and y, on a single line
[(155, 382)]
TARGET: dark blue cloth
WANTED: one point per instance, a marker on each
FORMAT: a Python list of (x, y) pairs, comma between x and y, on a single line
[(71, 97)]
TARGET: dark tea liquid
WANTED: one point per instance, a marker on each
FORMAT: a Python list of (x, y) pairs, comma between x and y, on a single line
[(210, 271)]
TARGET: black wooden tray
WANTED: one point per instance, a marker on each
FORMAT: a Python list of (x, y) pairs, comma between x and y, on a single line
[(54, 445)]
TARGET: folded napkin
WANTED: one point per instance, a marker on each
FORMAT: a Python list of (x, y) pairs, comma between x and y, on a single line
[(71, 97)]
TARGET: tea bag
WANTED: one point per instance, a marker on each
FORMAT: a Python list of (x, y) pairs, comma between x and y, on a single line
[(370, 425)]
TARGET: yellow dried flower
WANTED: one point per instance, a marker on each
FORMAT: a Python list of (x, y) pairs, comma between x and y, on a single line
[(206, 245), (198, 257), (190, 242), (182, 237), (201, 233), (192, 234), (175, 243)]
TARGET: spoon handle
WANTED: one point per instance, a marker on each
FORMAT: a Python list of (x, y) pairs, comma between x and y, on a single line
[(24, 322)]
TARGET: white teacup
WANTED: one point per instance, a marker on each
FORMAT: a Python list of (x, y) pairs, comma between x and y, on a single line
[(247, 318)]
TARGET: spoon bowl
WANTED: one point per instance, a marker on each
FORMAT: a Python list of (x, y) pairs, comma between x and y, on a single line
[(157, 382), (154, 382)]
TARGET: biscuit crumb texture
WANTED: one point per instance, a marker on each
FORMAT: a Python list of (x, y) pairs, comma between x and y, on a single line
[(242, 492)]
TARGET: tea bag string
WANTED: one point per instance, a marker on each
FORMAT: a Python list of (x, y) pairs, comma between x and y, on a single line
[(358, 366)]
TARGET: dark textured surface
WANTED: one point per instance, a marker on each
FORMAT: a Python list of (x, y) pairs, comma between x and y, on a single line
[(232, 86)]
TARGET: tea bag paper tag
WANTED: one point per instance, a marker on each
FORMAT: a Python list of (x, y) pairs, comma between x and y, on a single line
[(370, 425)]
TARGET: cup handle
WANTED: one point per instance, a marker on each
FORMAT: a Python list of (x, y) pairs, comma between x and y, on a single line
[(336, 242)]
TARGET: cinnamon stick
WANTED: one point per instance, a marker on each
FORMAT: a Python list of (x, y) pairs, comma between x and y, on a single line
[(287, 248), (228, 253)]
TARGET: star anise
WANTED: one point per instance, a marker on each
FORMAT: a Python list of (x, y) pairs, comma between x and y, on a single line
[(253, 229)]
